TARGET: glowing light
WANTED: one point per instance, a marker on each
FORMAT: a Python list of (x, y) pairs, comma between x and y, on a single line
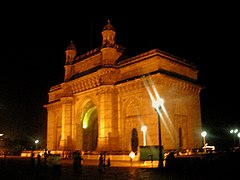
[(238, 139), (151, 89), (235, 132), (203, 134), (144, 128), (132, 155), (87, 117), (158, 103), (36, 142)]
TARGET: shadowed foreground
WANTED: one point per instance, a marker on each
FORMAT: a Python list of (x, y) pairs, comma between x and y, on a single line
[(221, 166)]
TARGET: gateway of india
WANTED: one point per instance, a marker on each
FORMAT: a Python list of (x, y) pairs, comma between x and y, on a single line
[(106, 99)]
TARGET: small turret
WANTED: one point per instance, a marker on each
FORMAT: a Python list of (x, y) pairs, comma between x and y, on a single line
[(70, 55), (108, 35), (110, 50)]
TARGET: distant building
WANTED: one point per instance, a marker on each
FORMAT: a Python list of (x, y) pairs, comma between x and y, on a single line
[(105, 99)]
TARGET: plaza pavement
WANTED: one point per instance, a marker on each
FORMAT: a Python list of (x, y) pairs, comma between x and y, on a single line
[(21, 168)]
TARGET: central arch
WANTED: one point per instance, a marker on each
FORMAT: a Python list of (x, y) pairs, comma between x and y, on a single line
[(90, 129)]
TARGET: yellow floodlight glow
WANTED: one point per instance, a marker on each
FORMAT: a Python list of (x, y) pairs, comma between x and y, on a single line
[(158, 102), (87, 117)]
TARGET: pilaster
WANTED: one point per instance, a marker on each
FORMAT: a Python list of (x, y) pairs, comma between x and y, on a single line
[(108, 136), (66, 137)]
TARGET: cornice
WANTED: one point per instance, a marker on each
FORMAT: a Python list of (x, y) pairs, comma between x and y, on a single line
[(152, 53), (84, 83), (176, 83), (159, 79), (53, 105), (90, 81), (130, 86)]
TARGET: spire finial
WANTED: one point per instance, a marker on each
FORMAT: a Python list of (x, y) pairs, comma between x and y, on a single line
[(71, 46)]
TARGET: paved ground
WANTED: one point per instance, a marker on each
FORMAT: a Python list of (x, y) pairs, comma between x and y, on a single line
[(21, 168)]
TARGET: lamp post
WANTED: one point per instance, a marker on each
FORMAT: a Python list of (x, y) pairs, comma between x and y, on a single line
[(157, 104), (238, 139), (144, 129), (204, 134), (234, 132), (1, 135), (132, 156), (36, 142)]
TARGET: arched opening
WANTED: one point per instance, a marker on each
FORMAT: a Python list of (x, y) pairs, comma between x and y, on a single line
[(90, 129), (134, 140)]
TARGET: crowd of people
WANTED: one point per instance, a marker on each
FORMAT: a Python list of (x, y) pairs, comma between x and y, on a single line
[(53, 161), (102, 162)]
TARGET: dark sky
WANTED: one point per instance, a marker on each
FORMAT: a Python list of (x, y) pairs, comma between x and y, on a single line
[(33, 48)]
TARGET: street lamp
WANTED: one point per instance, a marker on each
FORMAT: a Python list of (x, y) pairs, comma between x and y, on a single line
[(234, 132), (204, 134), (132, 156), (157, 104), (1, 135), (238, 139), (36, 142), (144, 129)]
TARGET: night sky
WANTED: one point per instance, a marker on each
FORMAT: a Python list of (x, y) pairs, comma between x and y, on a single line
[(32, 57)]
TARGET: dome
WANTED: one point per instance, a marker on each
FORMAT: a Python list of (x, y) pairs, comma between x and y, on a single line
[(71, 46), (108, 26)]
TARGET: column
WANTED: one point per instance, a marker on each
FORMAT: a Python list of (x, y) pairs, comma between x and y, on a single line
[(66, 137)]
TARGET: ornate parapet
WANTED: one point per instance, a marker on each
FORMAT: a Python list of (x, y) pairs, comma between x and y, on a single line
[(159, 79), (85, 83), (130, 86), (176, 83)]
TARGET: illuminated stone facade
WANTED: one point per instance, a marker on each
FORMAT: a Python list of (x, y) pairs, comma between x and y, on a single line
[(105, 99)]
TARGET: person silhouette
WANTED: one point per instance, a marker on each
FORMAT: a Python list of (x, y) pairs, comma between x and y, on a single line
[(100, 165), (38, 160), (32, 160)]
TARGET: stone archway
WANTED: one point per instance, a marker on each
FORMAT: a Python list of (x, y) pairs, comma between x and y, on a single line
[(90, 129)]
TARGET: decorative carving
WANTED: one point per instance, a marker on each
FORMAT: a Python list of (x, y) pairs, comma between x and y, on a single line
[(106, 89), (133, 109), (66, 100)]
